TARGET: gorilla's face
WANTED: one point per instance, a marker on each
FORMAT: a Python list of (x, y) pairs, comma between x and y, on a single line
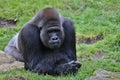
[(52, 35)]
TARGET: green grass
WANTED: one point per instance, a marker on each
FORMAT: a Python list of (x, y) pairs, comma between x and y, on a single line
[(91, 18)]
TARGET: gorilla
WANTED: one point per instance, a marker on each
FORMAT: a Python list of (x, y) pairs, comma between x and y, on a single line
[(46, 44)]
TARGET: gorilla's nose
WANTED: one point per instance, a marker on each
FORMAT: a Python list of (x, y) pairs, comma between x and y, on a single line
[(55, 39)]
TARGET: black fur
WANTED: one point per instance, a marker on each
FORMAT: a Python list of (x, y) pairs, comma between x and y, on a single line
[(40, 59)]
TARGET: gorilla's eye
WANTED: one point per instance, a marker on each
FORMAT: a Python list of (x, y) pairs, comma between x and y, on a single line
[(40, 28), (56, 30)]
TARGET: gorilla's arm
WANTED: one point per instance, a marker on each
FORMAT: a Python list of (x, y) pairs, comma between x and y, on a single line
[(29, 45)]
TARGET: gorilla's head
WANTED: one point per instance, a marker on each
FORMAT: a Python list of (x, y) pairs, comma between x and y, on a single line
[(51, 32)]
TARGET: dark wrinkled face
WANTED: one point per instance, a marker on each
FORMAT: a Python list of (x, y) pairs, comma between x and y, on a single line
[(52, 36)]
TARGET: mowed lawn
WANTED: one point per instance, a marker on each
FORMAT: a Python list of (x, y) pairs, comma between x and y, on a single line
[(97, 24)]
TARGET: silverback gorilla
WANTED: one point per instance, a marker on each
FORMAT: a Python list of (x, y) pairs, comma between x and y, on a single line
[(46, 44)]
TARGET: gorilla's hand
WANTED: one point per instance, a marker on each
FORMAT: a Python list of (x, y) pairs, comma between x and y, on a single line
[(75, 64), (70, 67)]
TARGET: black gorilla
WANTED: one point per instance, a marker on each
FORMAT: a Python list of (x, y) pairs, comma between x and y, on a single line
[(46, 44)]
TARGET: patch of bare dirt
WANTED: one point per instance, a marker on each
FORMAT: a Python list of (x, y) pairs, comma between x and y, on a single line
[(98, 55), (7, 23), (7, 62), (104, 75), (4, 58), (89, 40)]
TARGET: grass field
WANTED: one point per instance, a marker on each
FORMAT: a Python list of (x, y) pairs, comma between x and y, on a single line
[(97, 24)]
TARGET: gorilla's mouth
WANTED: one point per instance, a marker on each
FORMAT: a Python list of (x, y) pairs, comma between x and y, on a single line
[(54, 45), (54, 42)]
